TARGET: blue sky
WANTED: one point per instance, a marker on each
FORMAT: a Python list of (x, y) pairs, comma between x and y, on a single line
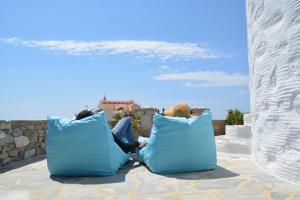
[(56, 57)]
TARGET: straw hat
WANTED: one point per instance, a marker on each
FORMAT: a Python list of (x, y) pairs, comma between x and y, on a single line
[(180, 110)]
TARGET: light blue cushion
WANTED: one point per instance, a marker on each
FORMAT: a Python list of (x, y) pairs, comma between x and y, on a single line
[(82, 147), (178, 144)]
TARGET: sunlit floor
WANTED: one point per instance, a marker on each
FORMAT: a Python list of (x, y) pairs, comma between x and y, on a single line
[(236, 177)]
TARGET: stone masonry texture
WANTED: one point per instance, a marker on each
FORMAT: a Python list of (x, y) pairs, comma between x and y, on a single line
[(274, 69), (21, 139)]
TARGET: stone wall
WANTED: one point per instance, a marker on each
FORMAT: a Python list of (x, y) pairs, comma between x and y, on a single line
[(274, 69), (219, 127), (147, 115), (21, 139), (146, 122)]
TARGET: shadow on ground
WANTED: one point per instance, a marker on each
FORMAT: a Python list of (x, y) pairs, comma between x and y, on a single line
[(217, 173), (17, 164), (118, 178)]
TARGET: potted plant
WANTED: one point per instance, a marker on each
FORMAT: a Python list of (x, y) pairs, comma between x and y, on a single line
[(234, 125), (234, 117)]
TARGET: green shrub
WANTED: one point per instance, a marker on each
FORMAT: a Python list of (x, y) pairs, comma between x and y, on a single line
[(234, 117), (117, 116), (134, 121)]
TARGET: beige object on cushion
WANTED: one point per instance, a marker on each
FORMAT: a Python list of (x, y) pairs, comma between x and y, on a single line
[(169, 112), (180, 110)]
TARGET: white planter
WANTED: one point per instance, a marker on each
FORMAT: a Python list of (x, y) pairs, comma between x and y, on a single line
[(238, 132), (247, 119)]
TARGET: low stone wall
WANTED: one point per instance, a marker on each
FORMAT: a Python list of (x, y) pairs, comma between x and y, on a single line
[(21, 139), (219, 127)]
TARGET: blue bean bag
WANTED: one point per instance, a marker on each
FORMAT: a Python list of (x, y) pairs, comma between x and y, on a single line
[(82, 147), (178, 144)]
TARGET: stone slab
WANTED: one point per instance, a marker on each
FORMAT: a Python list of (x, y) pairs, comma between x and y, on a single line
[(21, 141), (17, 132), (237, 146), (5, 138), (29, 153), (5, 124), (236, 177)]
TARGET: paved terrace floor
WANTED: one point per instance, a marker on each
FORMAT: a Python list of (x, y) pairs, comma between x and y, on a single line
[(236, 177)]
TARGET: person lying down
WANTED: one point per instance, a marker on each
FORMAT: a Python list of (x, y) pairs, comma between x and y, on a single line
[(121, 130)]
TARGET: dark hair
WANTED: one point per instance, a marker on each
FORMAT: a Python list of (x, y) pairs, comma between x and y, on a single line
[(83, 114)]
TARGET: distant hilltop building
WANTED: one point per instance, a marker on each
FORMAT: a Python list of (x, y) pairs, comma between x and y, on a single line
[(111, 106)]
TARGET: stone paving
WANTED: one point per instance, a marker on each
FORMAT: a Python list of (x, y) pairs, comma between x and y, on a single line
[(236, 177)]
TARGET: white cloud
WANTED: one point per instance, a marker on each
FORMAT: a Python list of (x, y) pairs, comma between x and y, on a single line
[(206, 78), (164, 67), (146, 48)]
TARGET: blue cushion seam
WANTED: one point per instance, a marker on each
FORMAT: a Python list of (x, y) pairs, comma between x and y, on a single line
[(156, 148), (156, 151), (105, 131)]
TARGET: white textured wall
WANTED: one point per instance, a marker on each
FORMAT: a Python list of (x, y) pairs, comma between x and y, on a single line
[(274, 62)]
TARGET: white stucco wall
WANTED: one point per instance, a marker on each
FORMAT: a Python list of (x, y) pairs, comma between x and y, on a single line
[(274, 68)]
